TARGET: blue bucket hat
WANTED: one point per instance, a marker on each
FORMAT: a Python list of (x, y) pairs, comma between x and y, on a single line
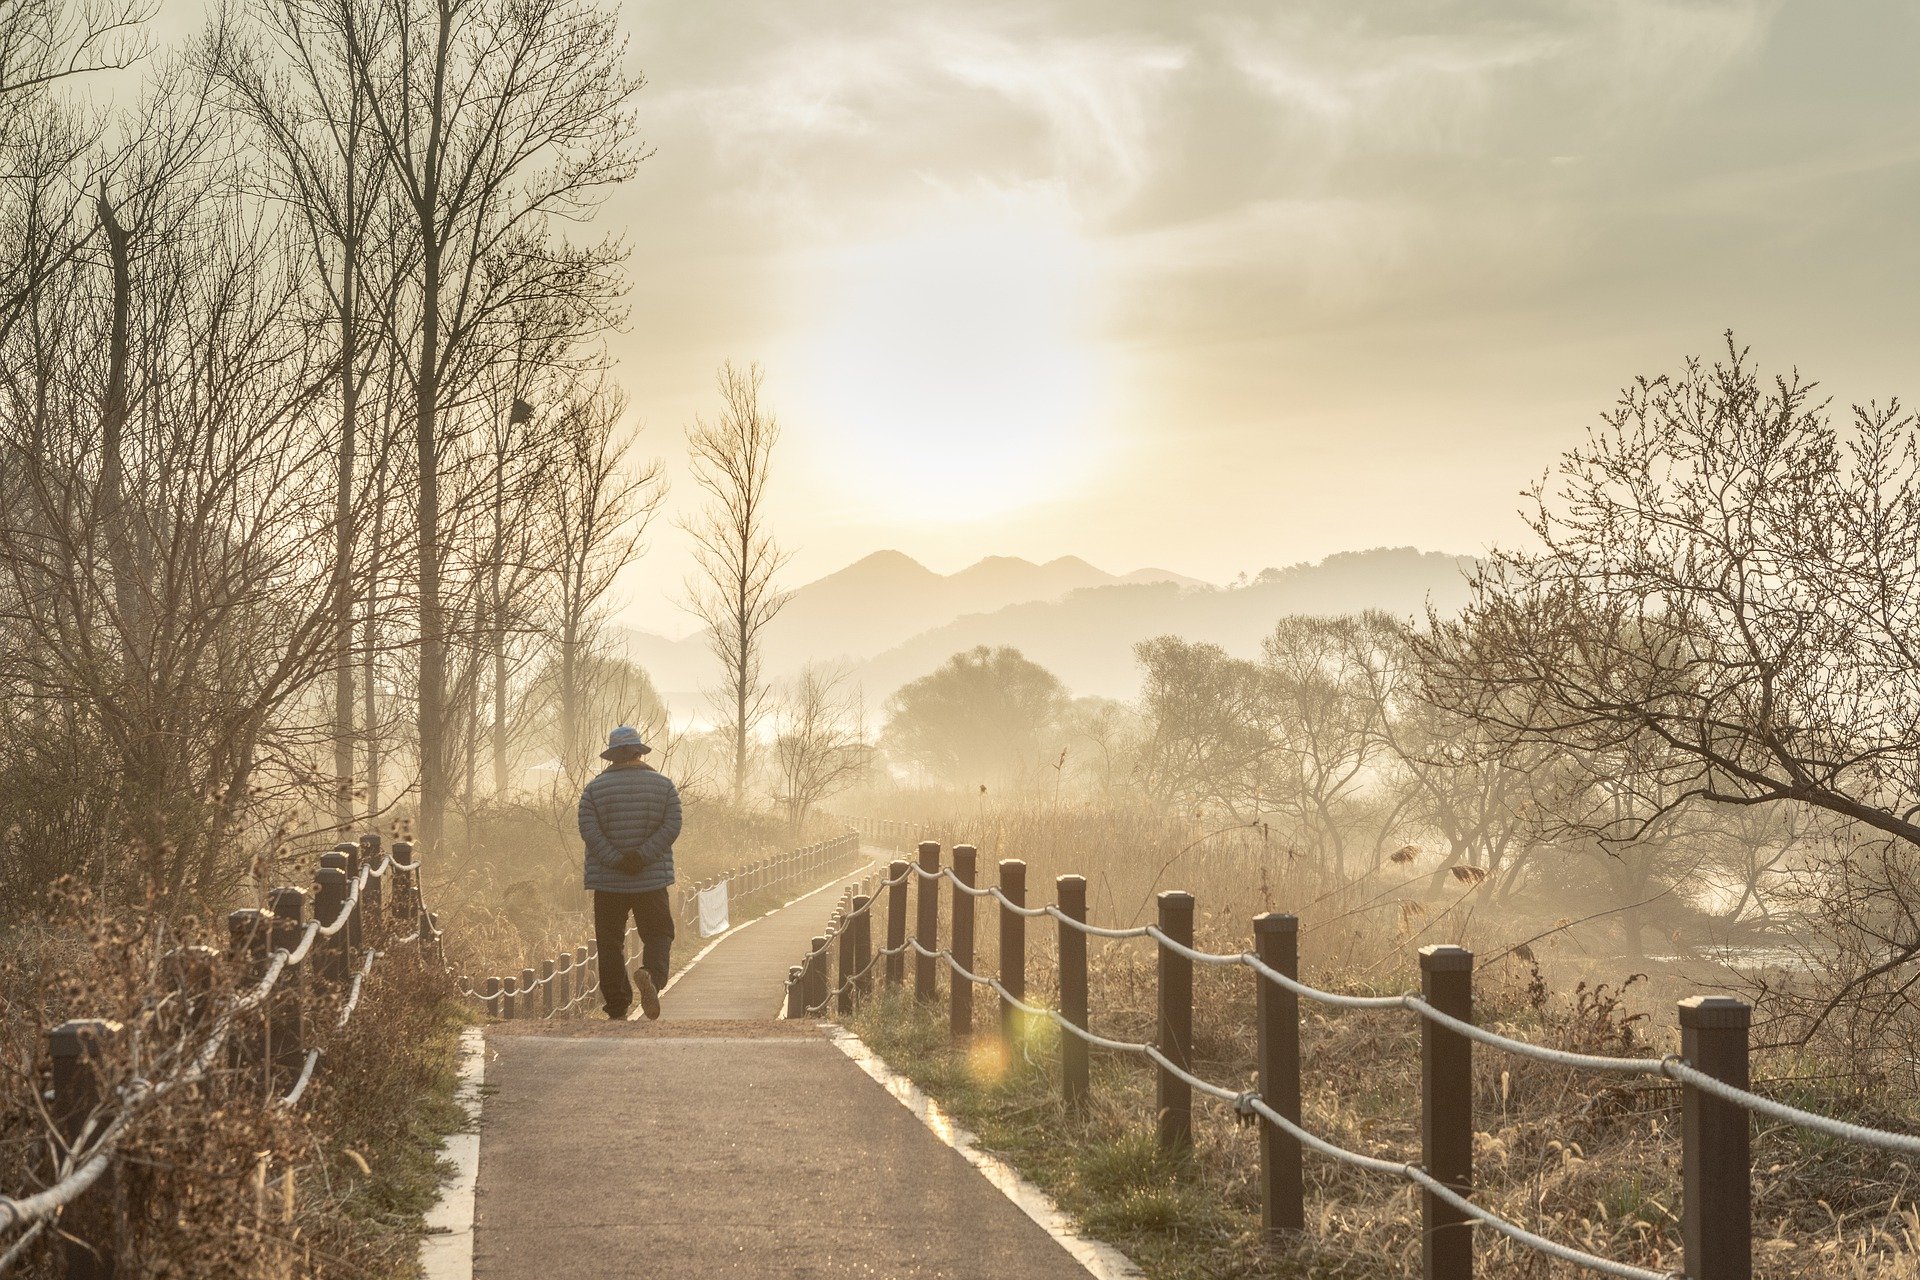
[(623, 742)]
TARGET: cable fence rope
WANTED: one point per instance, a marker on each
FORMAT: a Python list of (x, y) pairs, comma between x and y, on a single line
[(1713, 1030), (93, 1150)]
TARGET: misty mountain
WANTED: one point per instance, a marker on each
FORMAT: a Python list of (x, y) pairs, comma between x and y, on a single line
[(878, 603), (1087, 637), (891, 619)]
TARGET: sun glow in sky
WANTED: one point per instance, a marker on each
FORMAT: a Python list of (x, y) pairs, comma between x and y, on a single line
[(955, 369), (1223, 284)]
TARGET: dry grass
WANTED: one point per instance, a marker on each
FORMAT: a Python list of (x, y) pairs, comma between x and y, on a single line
[(511, 895), (218, 1181), (1590, 1162)]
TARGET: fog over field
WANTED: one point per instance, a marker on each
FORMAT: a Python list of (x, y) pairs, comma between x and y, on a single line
[(1439, 472)]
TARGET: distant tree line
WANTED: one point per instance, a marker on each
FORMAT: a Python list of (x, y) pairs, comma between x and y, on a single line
[(1698, 685)]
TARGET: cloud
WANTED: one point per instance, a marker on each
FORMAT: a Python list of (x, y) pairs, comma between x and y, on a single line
[(1360, 80)]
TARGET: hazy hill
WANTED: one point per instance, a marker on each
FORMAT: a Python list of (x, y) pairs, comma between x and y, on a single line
[(1087, 638), (878, 603)]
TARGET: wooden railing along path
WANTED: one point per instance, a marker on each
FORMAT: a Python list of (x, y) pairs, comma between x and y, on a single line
[(837, 973), (248, 1014)]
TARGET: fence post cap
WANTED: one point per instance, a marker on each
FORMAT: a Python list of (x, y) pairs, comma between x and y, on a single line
[(1070, 879), (1175, 899), (967, 849), (78, 1035), (335, 860), (1276, 922), (288, 903), (370, 840), (1715, 1013), (929, 849), (1445, 957)]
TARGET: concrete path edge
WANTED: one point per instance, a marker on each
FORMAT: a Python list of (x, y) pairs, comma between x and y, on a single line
[(1101, 1260), (446, 1251)]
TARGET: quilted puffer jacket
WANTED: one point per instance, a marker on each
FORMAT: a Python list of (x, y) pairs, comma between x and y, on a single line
[(629, 819)]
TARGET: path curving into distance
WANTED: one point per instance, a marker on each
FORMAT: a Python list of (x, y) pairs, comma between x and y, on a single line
[(722, 1144)]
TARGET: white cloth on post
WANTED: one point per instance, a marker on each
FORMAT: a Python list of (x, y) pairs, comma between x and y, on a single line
[(712, 905)]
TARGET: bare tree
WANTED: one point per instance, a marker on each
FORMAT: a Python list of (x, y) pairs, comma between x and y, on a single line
[(735, 592), (1206, 740), (165, 589), (48, 152), (819, 746), (600, 505), (1722, 608), (290, 76), (983, 717), (496, 122)]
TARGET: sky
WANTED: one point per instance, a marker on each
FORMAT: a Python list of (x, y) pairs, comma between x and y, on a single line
[(1210, 286)]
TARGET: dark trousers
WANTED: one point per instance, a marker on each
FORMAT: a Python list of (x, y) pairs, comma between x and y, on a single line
[(653, 916)]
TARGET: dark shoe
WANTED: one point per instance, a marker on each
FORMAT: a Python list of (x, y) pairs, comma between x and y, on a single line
[(616, 1015), (648, 993)]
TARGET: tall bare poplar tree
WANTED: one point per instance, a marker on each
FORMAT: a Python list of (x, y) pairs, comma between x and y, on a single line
[(734, 591), (497, 122), (290, 76), (601, 505)]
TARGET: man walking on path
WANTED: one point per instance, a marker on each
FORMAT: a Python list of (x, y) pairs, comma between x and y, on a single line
[(629, 819)]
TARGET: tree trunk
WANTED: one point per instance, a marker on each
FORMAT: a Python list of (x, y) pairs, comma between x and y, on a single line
[(432, 711), (343, 552), (370, 638), (497, 638)]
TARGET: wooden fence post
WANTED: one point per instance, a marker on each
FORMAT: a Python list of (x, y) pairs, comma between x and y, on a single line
[(355, 921), (376, 884), (249, 931), (960, 991), (331, 959), (192, 970), (863, 945), (490, 995), (816, 977), (563, 978), (796, 992), (897, 872), (1716, 1160), (87, 1225), (927, 924), (286, 1038), (1174, 1127), (546, 988), (843, 989), (403, 852), (1276, 942), (1070, 893), (509, 998), (1446, 1112), (584, 957), (528, 1006), (1013, 951)]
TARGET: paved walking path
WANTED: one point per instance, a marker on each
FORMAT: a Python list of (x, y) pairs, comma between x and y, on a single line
[(719, 1144), (746, 975)]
